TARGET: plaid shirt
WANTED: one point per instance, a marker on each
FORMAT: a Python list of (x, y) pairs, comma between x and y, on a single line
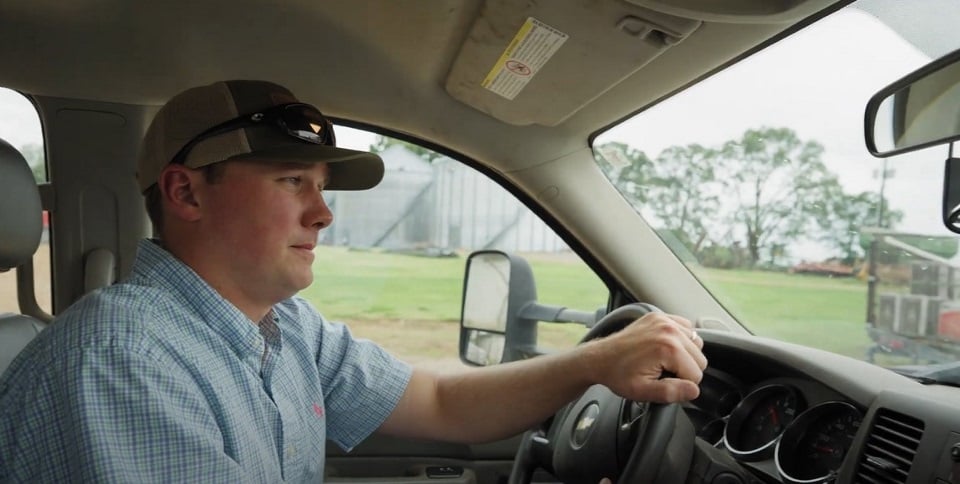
[(161, 379)]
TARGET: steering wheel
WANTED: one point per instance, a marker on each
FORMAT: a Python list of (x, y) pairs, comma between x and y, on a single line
[(601, 434)]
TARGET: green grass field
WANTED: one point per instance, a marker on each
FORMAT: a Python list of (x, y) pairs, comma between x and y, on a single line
[(811, 310), (412, 304), (376, 285)]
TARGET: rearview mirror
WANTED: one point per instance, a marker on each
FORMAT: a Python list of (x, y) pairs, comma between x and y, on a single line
[(922, 109)]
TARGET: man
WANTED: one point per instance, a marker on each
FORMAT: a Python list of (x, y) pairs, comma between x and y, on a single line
[(203, 365)]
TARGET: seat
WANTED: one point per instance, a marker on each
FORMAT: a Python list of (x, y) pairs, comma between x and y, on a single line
[(98, 269), (21, 226)]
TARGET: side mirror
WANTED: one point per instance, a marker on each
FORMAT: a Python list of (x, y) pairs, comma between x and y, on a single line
[(498, 321), (496, 286)]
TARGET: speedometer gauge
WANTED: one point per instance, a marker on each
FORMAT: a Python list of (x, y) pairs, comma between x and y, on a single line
[(757, 422), (813, 447)]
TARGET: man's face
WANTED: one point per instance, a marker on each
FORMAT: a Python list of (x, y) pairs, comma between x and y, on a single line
[(264, 218)]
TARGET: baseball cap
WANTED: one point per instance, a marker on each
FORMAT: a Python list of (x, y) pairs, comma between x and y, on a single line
[(181, 129)]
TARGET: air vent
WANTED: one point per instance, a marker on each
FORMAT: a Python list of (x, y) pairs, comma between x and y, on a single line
[(890, 448)]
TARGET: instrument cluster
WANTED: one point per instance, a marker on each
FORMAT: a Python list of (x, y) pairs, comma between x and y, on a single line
[(786, 426)]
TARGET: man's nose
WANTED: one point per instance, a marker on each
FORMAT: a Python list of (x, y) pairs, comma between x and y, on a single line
[(318, 214)]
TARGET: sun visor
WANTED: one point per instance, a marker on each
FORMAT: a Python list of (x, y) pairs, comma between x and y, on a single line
[(528, 63)]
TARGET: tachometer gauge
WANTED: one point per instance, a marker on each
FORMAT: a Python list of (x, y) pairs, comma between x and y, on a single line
[(812, 449), (757, 422)]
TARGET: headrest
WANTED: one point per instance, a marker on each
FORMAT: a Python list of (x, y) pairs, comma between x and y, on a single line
[(21, 214)]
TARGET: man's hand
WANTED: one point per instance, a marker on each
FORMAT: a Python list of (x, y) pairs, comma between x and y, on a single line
[(634, 362)]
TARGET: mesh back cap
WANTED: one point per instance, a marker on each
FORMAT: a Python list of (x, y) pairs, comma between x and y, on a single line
[(195, 110)]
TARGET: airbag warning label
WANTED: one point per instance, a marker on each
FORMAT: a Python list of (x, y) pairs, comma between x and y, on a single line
[(530, 49)]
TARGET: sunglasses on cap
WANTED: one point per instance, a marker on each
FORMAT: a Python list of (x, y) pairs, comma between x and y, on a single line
[(299, 120)]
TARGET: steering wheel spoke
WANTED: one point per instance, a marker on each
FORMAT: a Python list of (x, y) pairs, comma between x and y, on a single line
[(633, 414)]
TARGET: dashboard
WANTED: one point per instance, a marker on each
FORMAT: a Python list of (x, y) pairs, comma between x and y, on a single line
[(784, 413)]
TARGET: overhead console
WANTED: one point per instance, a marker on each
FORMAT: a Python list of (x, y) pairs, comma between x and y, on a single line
[(734, 11)]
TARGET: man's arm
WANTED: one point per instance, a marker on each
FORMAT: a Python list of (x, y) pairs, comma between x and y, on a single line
[(495, 402)]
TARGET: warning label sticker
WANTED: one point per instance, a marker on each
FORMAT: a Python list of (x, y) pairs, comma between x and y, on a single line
[(530, 49)]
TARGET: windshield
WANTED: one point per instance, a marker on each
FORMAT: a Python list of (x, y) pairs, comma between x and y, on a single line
[(759, 180)]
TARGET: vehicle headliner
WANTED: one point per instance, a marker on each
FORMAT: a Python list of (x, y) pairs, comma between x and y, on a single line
[(382, 63)]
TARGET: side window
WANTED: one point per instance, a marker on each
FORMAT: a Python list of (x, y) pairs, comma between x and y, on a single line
[(20, 127), (391, 265)]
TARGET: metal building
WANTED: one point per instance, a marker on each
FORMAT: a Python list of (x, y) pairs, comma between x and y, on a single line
[(443, 205)]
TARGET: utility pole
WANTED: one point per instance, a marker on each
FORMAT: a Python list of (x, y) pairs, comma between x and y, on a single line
[(872, 257)]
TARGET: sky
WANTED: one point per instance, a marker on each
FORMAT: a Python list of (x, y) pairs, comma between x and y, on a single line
[(804, 94), (19, 124), (817, 83), (726, 106)]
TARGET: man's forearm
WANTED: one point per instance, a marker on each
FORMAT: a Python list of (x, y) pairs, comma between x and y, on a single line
[(499, 401), (495, 402)]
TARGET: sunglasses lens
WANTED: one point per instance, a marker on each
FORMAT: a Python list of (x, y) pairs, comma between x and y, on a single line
[(306, 123)]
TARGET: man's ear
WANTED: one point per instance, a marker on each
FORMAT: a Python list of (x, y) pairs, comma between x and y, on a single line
[(178, 186)]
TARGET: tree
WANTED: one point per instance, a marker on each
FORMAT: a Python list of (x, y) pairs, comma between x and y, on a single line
[(778, 182), (684, 193), (844, 217), (382, 143), (628, 168)]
